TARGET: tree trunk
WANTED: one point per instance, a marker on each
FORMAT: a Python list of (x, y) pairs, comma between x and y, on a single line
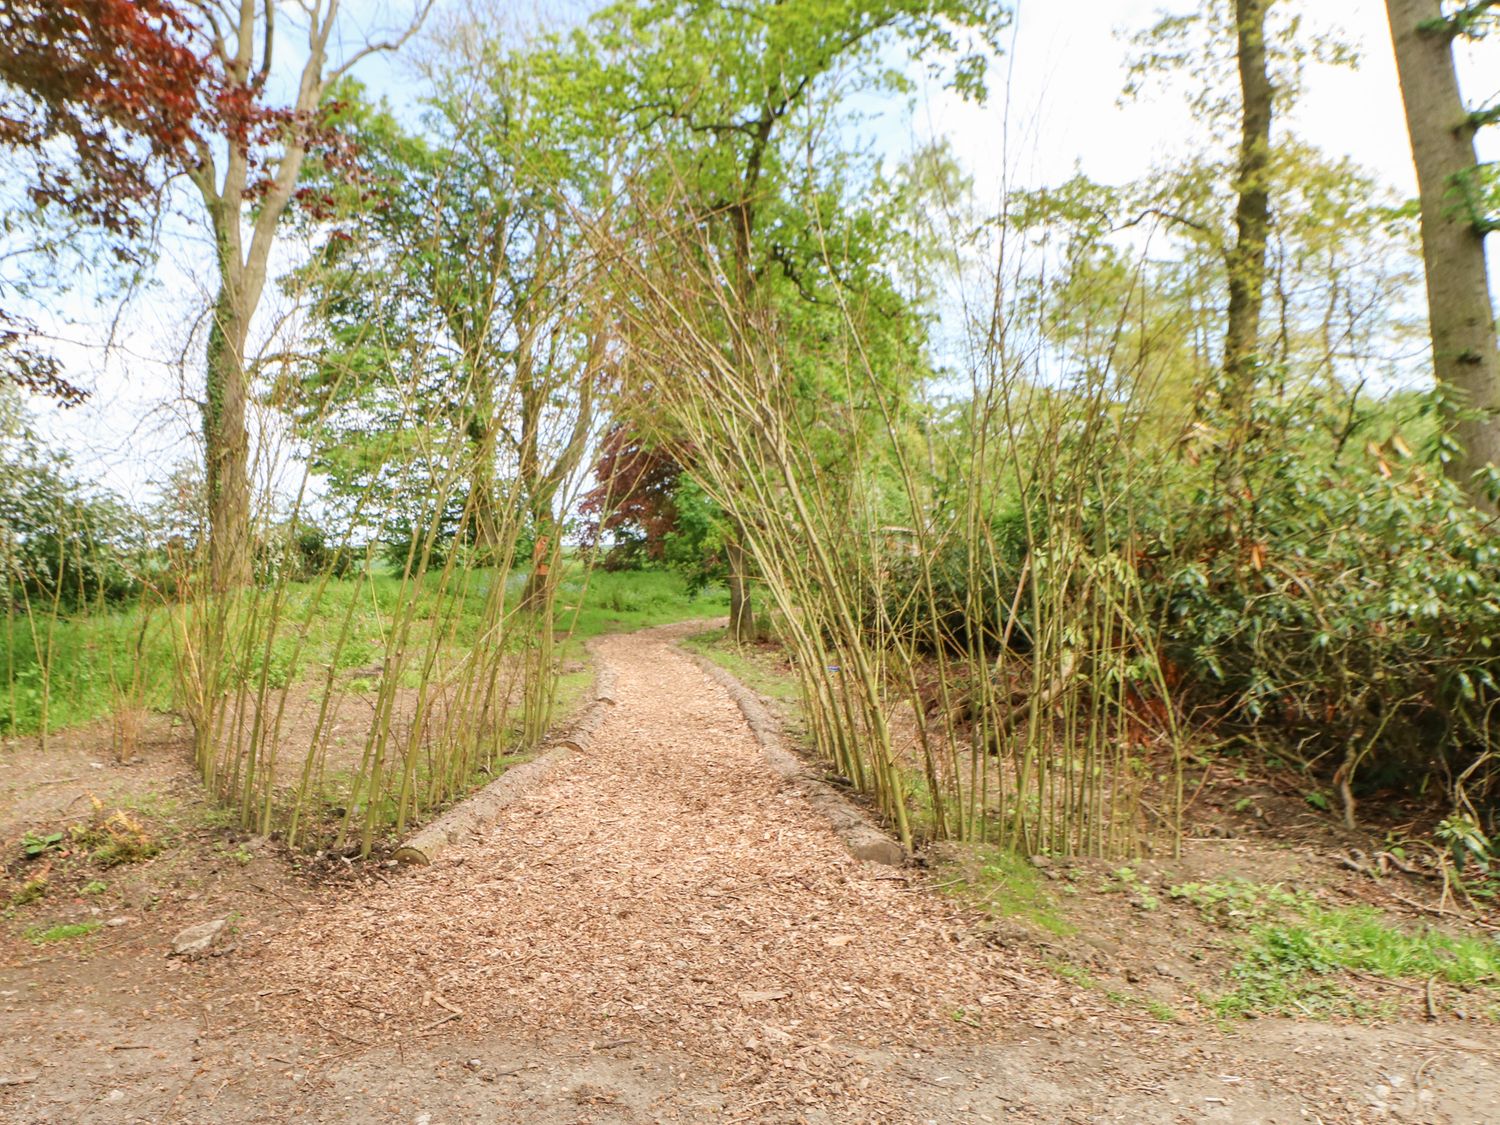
[(482, 435), (227, 445), (1464, 351), (544, 554), (741, 612), (1246, 260)]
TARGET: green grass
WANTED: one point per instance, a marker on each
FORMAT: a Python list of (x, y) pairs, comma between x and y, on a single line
[(1006, 885), (745, 664), (622, 601), (1292, 950), (95, 656), (65, 931)]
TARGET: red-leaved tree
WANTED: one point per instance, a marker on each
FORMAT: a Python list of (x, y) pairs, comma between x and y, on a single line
[(98, 102), (633, 499)]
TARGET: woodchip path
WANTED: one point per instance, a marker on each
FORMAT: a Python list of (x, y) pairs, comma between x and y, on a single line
[(663, 930)]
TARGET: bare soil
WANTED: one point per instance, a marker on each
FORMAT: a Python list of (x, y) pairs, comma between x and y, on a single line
[(659, 931)]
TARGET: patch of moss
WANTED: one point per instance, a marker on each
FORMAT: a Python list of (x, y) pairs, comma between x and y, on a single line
[(1007, 885)]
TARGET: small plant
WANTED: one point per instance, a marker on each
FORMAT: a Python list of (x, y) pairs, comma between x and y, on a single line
[(1286, 967), (1142, 898), (65, 931), (115, 838), (93, 887), (1237, 903), (35, 845), (1467, 843), (31, 891)]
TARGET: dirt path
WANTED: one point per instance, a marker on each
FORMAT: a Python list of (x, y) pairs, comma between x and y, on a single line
[(660, 931)]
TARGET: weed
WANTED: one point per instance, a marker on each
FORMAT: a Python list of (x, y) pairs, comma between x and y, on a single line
[(114, 838), (1295, 948), (93, 887), (31, 891), (35, 845), (1141, 896), (1237, 903), (64, 931)]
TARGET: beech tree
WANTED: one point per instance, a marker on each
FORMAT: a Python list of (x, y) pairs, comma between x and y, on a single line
[(1465, 357)]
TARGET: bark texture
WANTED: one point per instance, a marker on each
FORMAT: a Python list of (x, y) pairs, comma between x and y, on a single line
[(1462, 317), (242, 259), (243, 48), (741, 613), (1246, 260)]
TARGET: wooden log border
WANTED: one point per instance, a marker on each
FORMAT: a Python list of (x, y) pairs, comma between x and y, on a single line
[(863, 839), (480, 810)]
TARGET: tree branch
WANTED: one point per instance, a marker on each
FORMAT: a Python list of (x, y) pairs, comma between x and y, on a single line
[(383, 45)]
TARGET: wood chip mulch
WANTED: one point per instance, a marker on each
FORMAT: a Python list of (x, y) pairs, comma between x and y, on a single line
[(665, 889)]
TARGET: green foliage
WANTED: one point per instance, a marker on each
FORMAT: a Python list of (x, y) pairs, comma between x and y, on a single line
[(1357, 611), (301, 552), (92, 650), (1292, 950), (948, 601), (1290, 968), (61, 541), (35, 845), (618, 601), (64, 931)]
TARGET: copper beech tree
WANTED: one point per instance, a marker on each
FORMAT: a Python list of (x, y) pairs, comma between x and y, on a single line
[(144, 87), (98, 98)]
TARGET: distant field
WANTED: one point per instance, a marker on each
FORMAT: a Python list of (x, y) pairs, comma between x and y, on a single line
[(74, 669)]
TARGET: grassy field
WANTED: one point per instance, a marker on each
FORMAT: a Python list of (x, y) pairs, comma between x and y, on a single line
[(75, 669)]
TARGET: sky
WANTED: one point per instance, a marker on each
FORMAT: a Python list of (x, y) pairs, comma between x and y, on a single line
[(1067, 65), (1054, 109)]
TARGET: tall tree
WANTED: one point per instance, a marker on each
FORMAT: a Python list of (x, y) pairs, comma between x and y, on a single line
[(469, 241), (718, 86), (1246, 260), (251, 173), (1465, 356)]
